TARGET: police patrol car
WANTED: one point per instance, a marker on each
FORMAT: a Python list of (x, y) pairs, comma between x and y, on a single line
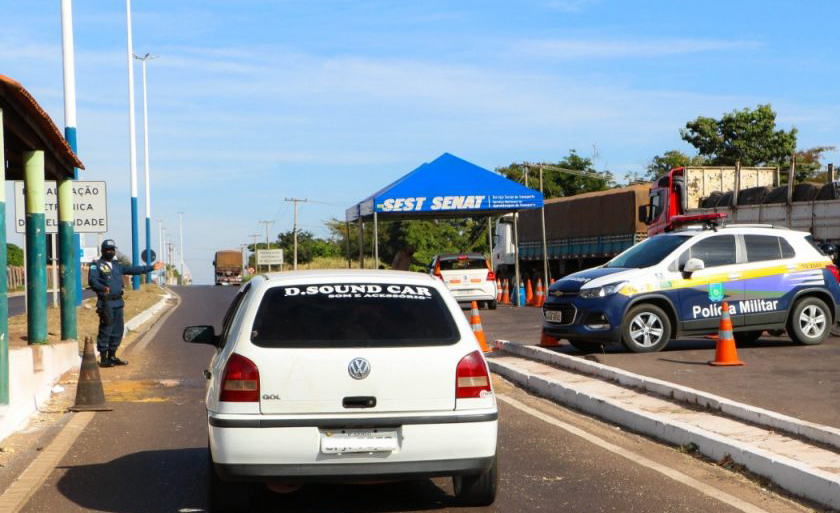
[(673, 285)]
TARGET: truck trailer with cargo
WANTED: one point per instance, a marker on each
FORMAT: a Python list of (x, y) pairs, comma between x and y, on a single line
[(228, 267), (582, 231)]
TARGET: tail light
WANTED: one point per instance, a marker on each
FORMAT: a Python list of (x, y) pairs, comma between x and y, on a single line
[(241, 383), (834, 271), (471, 377), (491, 276), (437, 271)]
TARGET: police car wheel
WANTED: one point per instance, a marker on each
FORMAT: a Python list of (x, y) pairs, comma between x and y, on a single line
[(810, 322), (835, 330), (646, 329)]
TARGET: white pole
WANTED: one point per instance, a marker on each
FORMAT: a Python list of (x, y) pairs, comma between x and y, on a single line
[(160, 246), (148, 225), (132, 150)]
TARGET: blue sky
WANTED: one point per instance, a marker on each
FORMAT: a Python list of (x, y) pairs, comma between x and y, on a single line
[(254, 101)]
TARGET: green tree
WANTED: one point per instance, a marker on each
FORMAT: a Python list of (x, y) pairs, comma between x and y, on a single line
[(309, 246), (661, 164), (14, 254), (808, 164), (580, 177), (750, 136)]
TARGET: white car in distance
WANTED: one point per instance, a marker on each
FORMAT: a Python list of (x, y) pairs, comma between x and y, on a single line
[(345, 376)]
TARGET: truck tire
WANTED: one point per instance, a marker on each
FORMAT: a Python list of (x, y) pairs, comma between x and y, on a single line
[(646, 329), (491, 305), (810, 321), (585, 346)]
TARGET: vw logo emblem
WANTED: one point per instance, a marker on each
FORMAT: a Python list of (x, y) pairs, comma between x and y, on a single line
[(359, 368)]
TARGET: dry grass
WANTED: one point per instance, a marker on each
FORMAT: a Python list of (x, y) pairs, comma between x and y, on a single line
[(335, 263), (87, 321)]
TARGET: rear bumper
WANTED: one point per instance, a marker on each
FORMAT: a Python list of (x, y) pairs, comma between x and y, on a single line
[(350, 472), (290, 449)]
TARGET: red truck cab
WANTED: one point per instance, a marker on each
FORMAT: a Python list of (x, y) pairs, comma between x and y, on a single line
[(668, 204)]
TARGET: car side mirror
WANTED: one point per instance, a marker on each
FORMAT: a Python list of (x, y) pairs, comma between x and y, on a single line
[(201, 335), (644, 214), (693, 265)]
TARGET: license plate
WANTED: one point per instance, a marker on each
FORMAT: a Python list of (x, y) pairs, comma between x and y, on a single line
[(554, 316), (344, 441)]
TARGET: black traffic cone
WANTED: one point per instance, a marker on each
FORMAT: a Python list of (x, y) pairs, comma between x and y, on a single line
[(89, 393)]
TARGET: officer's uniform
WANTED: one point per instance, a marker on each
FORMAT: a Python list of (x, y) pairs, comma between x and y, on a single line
[(109, 306)]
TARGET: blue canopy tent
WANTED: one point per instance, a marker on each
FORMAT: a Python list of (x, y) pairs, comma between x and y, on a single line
[(443, 188)]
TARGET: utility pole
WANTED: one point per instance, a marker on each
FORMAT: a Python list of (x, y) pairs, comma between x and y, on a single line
[(181, 243), (143, 59), (254, 239), (267, 223), (294, 229)]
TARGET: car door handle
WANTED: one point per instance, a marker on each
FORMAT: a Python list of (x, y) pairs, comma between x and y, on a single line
[(207, 374)]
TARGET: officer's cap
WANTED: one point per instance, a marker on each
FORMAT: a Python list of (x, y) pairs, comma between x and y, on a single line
[(109, 244)]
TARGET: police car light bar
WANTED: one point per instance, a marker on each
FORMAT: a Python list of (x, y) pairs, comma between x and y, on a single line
[(707, 219)]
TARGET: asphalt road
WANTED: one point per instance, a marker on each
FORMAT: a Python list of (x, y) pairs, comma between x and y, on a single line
[(17, 304), (779, 375), (149, 454)]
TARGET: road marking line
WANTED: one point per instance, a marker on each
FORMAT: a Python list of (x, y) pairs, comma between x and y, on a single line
[(18, 494), (676, 475)]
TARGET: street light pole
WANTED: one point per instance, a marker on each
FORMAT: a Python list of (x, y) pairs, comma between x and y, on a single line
[(69, 62), (132, 151), (143, 60), (160, 243)]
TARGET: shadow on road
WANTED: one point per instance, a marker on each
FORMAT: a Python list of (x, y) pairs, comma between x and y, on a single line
[(142, 482), (176, 480)]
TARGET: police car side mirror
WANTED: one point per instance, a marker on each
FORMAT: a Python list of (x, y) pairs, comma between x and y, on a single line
[(693, 265), (201, 335)]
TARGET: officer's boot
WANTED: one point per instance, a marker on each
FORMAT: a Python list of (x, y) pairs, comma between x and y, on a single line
[(105, 359), (112, 356)]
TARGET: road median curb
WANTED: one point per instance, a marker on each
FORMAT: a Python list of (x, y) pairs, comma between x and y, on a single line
[(814, 432), (798, 478)]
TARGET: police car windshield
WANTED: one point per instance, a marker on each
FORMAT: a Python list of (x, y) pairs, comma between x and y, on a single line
[(649, 252)]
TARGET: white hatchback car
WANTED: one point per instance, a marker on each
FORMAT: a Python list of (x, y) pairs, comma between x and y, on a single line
[(468, 277), (347, 376)]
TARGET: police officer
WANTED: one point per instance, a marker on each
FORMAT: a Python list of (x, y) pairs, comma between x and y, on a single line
[(106, 279)]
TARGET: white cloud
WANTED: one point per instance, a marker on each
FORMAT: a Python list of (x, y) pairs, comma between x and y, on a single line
[(594, 48)]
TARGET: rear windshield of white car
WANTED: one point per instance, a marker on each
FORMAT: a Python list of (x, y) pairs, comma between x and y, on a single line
[(462, 263), (353, 315)]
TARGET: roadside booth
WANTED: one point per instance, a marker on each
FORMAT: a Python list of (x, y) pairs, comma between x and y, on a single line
[(447, 187), (34, 151)]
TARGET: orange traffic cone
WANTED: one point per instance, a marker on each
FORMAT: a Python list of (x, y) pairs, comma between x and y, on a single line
[(478, 331), (506, 293), (498, 290), (539, 297), (725, 352), (548, 340), (529, 293)]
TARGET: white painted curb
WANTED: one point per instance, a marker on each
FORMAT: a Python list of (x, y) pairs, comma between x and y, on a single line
[(138, 320), (33, 370), (812, 483), (809, 430)]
